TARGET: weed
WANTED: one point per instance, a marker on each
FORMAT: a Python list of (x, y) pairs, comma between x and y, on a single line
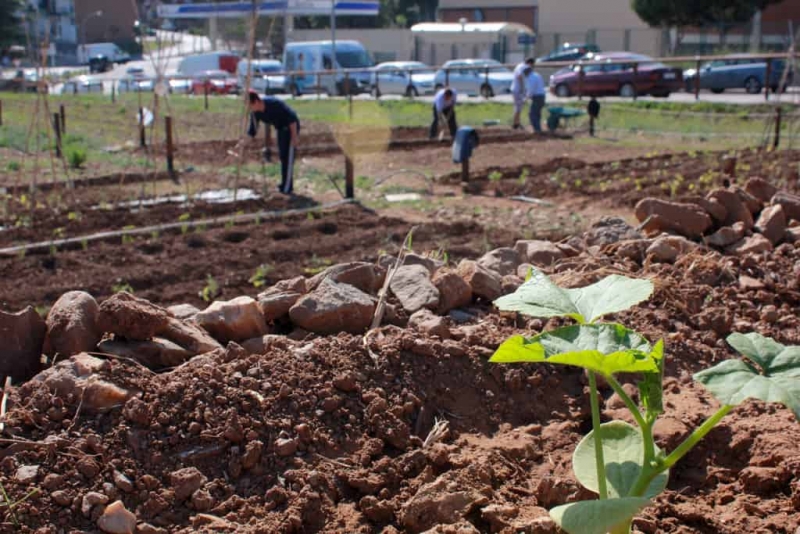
[(523, 176), (8, 503), (76, 157), (74, 216), (184, 218), (317, 265), (42, 310), (122, 286), (495, 176), (259, 278), (85, 244), (13, 166), (210, 291)]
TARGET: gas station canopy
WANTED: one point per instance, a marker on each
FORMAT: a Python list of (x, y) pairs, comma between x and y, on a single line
[(271, 8)]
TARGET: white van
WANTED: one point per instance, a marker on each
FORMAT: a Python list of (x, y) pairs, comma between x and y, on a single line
[(265, 76), (114, 53), (191, 65), (318, 55)]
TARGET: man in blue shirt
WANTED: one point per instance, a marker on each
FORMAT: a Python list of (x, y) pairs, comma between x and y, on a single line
[(536, 92), (444, 106), (274, 112)]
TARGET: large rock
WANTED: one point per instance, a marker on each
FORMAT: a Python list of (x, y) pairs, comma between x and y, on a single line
[(689, 220), (131, 317), (22, 336), (752, 203), (233, 320), (364, 276), (189, 336), (72, 325), (484, 283), (667, 249), (726, 236), (334, 307), (711, 205), (117, 519), (735, 206), (790, 204), (454, 292), (183, 311), (155, 353), (263, 344), (772, 223), (186, 481), (504, 261), (539, 253), (761, 189), (412, 286), (76, 381), (443, 501), (276, 301), (427, 322), (749, 245), (610, 230)]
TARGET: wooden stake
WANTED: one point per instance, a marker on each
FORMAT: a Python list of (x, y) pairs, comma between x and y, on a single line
[(113, 93), (170, 147), (1, 112), (778, 115), (349, 171), (142, 133), (205, 95), (633, 82), (57, 128), (63, 114), (580, 82), (767, 80), (697, 81), (591, 125), (465, 170)]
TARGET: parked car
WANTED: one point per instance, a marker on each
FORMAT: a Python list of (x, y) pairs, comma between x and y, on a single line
[(110, 50), (82, 85), (397, 78), (100, 63), (602, 77), (136, 84), (738, 73), (318, 55), (485, 77), (265, 77), (26, 81), (179, 85), (215, 82), (570, 52), (197, 63)]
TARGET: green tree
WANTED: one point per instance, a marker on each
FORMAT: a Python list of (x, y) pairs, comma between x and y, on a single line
[(667, 13), (11, 30)]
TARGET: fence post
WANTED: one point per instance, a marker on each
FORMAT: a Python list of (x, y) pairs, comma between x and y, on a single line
[(697, 81), (75, 88), (447, 77), (142, 136), (635, 74), (113, 93), (205, 95), (57, 128), (778, 114), (486, 82), (349, 171), (581, 74), (170, 147), (591, 125), (767, 79), (378, 85), (349, 94), (63, 116), (1, 112), (464, 170)]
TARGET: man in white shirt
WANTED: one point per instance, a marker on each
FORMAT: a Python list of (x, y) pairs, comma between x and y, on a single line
[(521, 73), (444, 105), (536, 92)]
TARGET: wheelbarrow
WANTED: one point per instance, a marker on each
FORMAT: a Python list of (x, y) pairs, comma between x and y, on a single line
[(556, 114)]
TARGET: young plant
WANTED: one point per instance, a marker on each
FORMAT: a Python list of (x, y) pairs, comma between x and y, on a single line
[(184, 218), (259, 278), (495, 176), (211, 290), (618, 461), (76, 157)]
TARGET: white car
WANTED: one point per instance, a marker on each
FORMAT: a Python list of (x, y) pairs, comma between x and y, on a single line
[(265, 77), (180, 86), (399, 78), (485, 77), (82, 85), (136, 84)]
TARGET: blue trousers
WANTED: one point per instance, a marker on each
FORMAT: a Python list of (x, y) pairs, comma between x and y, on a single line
[(535, 113)]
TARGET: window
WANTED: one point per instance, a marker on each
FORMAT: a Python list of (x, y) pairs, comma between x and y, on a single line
[(478, 15), (327, 64)]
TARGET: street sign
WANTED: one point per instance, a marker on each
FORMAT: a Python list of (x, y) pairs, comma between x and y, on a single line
[(269, 8)]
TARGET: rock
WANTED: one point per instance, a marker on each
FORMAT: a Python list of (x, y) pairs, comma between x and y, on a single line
[(718, 320), (116, 519), (431, 264), (131, 317), (748, 283), (366, 277), (726, 236), (122, 482), (484, 283), (23, 338), (72, 325), (183, 312), (262, 345), (332, 308), (443, 501), (772, 224), (633, 249), (346, 382), (792, 235), (454, 292), (90, 500), (511, 283), (539, 253), (662, 251), (503, 261), (524, 270), (61, 497), (412, 286), (610, 230), (427, 322), (711, 205), (26, 474), (186, 481), (688, 220), (760, 189), (752, 203), (233, 320), (462, 527), (202, 501), (790, 204), (189, 336), (285, 446), (156, 354), (275, 304), (763, 480), (749, 245), (769, 314), (734, 205)]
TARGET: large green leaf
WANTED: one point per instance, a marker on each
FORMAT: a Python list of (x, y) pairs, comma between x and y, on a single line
[(623, 454), (776, 379), (603, 348), (540, 297), (597, 517)]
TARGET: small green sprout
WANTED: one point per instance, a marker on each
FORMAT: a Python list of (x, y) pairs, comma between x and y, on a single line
[(259, 278), (495, 176), (210, 291)]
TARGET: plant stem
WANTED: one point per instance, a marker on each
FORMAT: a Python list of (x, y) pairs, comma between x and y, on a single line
[(695, 437), (598, 439), (644, 426)]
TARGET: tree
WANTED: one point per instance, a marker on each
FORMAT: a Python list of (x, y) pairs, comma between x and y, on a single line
[(11, 30), (670, 13)]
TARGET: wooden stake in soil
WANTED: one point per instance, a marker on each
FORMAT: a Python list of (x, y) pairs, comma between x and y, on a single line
[(697, 81), (205, 95), (142, 133), (63, 113), (768, 76), (778, 115), (1, 112), (349, 179), (464, 170), (57, 128), (170, 147), (113, 93)]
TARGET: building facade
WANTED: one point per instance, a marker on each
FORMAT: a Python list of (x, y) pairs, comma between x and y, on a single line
[(520, 11)]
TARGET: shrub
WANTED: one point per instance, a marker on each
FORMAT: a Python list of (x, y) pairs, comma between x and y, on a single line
[(76, 157)]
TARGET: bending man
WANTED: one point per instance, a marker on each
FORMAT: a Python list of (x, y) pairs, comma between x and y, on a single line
[(444, 106), (521, 73), (274, 112)]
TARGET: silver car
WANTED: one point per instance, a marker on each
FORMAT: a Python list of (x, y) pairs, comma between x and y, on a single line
[(399, 78), (82, 85), (136, 84), (179, 85), (485, 77)]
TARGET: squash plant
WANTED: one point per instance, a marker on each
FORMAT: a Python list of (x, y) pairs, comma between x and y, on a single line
[(619, 461)]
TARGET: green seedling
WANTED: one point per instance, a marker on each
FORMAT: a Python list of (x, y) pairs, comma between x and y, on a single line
[(259, 278), (184, 218), (13, 166), (211, 290), (74, 216), (76, 157), (128, 238), (122, 286), (8, 503), (85, 244), (618, 461), (317, 265)]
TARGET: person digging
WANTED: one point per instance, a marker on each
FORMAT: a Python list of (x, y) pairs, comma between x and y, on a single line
[(274, 112), (444, 113)]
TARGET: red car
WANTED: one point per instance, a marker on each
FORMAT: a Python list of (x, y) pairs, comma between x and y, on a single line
[(216, 82), (602, 77)]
